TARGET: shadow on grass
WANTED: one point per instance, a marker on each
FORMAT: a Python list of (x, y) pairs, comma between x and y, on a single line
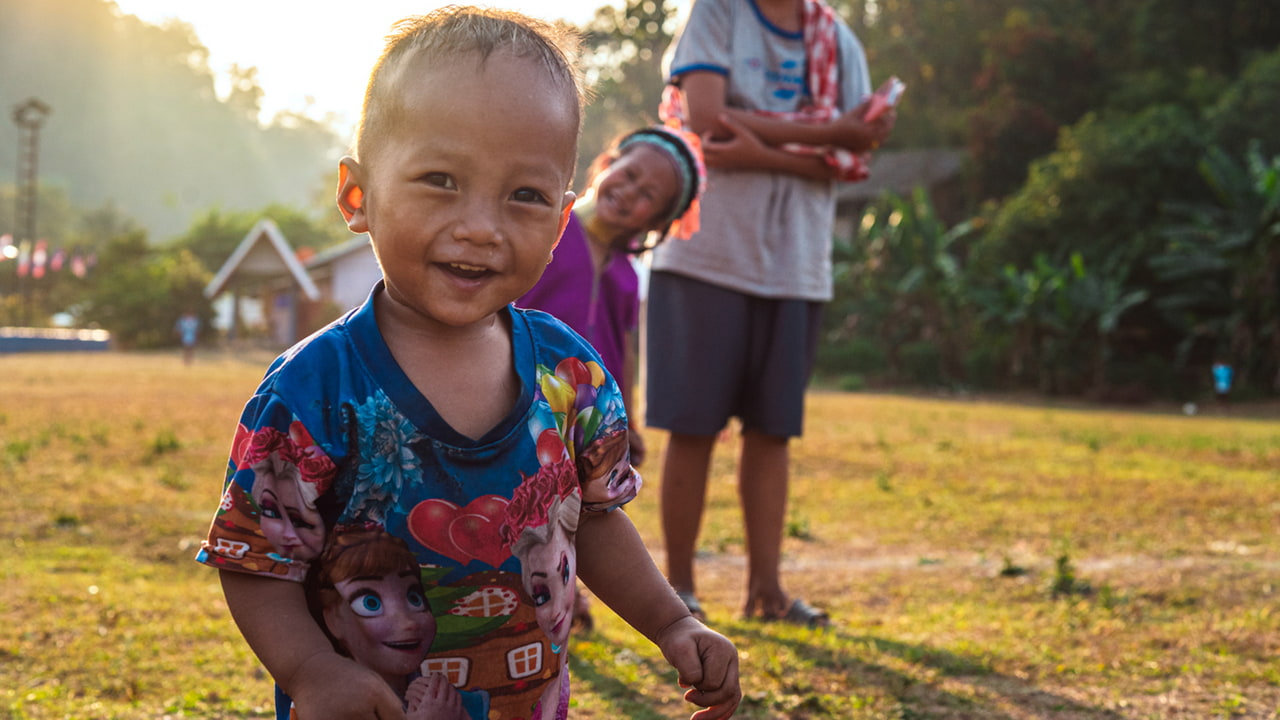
[(907, 675), (921, 698), (627, 700)]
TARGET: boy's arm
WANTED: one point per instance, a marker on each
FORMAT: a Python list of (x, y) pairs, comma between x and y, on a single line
[(273, 617), (614, 564)]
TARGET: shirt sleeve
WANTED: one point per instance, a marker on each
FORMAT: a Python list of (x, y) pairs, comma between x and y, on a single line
[(604, 462), (704, 43), (268, 522)]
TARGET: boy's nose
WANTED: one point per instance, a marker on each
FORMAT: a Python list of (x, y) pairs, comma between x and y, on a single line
[(479, 224)]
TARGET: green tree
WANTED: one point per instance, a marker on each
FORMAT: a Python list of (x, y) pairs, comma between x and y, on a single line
[(1220, 269), (139, 292), (215, 234), (622, 60), (901, 282), (1100, 191), (137, 120)]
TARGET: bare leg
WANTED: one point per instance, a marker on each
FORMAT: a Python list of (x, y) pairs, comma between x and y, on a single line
[(763, 475), (684, 494)]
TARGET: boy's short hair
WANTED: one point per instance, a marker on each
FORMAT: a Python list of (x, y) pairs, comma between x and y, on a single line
[(455, 30)]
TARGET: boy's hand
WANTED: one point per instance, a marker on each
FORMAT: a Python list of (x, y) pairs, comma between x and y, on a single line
[(707, 664), (329, 685)]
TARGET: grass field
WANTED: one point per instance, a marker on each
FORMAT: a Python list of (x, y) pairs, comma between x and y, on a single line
[(981, 559)]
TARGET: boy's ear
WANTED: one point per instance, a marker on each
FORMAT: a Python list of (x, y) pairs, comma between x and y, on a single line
[(569, 197), (351, 195)]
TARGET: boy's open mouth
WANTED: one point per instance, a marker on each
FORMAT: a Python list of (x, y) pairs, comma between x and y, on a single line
[(470, 272)]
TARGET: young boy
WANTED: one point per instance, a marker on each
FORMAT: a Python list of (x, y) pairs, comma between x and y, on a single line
[(439, 412)]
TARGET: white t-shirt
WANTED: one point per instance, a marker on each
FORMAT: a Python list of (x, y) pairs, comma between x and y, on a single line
[(762, 233)]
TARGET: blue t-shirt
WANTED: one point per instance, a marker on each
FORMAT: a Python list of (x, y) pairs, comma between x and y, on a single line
[(337, 440)]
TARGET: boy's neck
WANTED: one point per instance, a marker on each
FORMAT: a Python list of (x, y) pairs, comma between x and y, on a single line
[(447, 365)]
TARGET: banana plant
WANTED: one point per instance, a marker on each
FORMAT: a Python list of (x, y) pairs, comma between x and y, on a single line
[(1220, 268)]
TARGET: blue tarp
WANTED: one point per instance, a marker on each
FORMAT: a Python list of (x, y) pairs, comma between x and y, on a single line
[(20, 339)]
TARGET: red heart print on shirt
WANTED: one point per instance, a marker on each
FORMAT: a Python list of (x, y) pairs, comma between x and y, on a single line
[(462, 534)]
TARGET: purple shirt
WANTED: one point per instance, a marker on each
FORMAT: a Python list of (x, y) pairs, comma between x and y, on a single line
[(601, 309)]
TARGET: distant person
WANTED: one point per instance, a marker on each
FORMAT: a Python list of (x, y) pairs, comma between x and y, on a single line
[(442, 414), (645, 183), (1223, 374), (777, 89), (187, 329)]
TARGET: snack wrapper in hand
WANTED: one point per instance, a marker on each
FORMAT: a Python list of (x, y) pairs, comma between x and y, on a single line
[(884, 98)]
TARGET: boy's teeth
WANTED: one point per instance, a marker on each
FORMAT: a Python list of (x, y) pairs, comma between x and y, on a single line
[(469, 268)]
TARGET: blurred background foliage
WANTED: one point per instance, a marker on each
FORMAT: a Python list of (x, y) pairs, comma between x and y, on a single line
[(1115, 228)]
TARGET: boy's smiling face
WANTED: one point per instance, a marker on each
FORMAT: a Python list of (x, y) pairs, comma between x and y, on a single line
[(464, 194)]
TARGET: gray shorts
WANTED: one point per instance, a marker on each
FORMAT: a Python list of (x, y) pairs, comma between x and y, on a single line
[(715, 353)]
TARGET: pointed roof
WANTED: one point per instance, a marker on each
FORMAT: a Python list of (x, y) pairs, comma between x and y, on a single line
[(263, 253)]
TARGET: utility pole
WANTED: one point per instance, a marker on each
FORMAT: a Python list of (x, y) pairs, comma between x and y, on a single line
[(28, 116)]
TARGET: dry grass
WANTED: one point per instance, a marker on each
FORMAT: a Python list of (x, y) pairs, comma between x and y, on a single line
[(982, 559)]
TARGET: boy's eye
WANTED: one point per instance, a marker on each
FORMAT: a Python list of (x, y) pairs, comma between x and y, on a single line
[(528, 195), (440, 180)]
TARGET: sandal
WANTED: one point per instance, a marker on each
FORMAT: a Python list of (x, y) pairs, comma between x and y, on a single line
[(691, 602), (803, 614)]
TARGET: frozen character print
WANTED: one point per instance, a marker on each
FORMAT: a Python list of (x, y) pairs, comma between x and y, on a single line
[(541, 525), (375, 611), (289, 475)]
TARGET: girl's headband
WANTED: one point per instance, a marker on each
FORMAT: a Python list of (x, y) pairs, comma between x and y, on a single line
[(685, 150)]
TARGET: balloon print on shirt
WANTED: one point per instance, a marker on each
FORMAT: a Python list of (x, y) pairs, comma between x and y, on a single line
[(462, 533)]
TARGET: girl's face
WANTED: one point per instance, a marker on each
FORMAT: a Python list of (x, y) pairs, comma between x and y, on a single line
[(287, 520), (549, 574), (636, 191), (384, 623)]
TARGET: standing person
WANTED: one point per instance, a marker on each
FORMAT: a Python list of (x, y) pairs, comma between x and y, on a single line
[(442, 414), (643, 187), (777, 89), (1222, 376), (187, 329)]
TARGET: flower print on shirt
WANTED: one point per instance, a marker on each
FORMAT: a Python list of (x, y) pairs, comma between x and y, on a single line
[(387, 461)]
